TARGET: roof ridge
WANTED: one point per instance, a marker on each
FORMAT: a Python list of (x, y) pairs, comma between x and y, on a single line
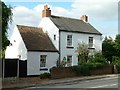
[(29, 26), (73, 25), (35, 39), (65, 17)]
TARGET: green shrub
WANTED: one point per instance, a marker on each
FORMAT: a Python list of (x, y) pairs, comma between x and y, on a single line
[(98, 58), (76, 69), (45, 75), (86, 68), (83, 69), (94, 62)]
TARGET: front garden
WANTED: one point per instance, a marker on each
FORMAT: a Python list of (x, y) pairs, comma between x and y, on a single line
[(93, 63)]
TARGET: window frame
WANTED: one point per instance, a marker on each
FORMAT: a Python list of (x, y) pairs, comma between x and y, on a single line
[(69, 40), (43, 63), (54, 37), (90, 42)]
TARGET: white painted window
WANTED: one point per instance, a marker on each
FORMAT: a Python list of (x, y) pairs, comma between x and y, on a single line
[(43, 60), (69, 40), (54, 37), (69, 60), (90, 42)]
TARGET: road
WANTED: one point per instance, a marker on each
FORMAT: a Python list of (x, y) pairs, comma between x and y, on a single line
[(80, 85)]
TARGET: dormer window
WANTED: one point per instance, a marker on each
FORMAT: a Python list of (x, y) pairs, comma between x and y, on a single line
[(54, 37)]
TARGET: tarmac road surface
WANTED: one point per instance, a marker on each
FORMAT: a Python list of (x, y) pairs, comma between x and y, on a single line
[(105, 83)]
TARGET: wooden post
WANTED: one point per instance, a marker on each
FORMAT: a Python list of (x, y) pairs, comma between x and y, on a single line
[(18, 69), (3, 62), (19, 56)]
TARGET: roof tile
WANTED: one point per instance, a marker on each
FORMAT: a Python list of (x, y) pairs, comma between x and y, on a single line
[(73, 25), (35, 39)]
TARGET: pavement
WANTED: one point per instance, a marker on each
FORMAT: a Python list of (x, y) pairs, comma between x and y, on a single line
[(9, 83)]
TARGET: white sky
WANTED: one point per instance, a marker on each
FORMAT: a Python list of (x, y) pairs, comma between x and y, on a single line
[(103, 14)]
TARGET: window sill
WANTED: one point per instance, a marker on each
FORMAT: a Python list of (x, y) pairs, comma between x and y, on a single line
[(71, 47), (91, 48), (43, 69)]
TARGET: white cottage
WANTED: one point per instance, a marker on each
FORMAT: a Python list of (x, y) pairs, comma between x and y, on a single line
[(55, 39), (35, 46), (66, 33)]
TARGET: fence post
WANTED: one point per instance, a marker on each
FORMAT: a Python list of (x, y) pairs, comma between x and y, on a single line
[(115, 69), (19, 56)]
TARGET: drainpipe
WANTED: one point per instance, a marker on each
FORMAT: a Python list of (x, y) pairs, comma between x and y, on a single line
[(59, 49)]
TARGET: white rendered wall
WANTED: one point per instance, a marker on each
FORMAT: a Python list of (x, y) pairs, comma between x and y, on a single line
[(33, 62), (77, 38), (17, 48), (51, 29)]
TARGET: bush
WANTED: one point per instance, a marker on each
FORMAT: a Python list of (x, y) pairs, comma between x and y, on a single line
[(94, 62), (85, 69), (45, 75), (76, 69), (98, 58)]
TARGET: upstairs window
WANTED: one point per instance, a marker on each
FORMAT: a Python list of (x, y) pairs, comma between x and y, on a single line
[(69, 40), (54, 37), (43, 60), (90, 42)]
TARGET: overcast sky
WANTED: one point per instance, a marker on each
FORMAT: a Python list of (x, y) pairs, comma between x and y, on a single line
[(102, 14)]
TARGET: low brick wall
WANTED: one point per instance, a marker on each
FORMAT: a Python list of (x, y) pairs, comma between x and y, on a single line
[(104, 70), (62, 72)]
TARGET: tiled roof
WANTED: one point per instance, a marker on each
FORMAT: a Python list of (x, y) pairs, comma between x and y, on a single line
[(35, 39), (73, 25)]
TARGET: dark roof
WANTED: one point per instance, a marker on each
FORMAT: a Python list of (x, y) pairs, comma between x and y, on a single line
[(35, 39), (73, 25)]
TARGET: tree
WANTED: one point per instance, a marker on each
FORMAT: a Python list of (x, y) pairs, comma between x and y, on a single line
[(108, 48), (82, 52), (117, 45), (5, 19)]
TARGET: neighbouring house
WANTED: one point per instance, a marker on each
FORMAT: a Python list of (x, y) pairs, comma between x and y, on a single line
[(66, 33), (54, 40), (32, 44)]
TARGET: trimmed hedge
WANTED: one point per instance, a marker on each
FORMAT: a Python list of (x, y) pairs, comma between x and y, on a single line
[(45, 75), (85, 69)]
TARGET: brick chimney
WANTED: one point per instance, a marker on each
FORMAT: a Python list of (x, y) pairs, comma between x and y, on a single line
[(46, 12), (84, 18)]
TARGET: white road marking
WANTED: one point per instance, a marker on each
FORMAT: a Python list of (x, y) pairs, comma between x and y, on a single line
[(104, 86)]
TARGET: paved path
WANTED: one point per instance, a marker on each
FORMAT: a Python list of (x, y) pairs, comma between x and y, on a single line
[(36, 81), (111, 82)]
